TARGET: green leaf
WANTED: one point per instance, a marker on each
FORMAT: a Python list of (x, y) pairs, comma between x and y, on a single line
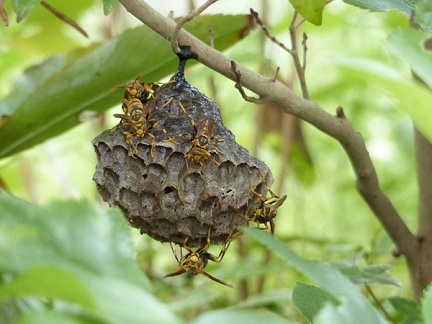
[(26, 84), (77, 252), (353, 303), (427, 305), (410, 310), (50, 317), (250, 316), (409, 96), (407, 45), (423, 15), (311, 10), (272, 297), (86, 82), (51, 282), (108, 5), (371, 274), (405, 6), (309, 300), (23, 7)]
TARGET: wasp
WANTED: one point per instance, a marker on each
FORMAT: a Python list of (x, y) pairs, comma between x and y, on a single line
[(138, 123), (204, 139), (267, 209), (140, 90), (194, 262)]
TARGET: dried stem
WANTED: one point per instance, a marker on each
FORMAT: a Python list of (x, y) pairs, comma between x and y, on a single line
[(299, 67), (294, 26), (379, 304), (239, 86), (3, 14), (337, 127), (175, 38), (211, 33), (64, 18)]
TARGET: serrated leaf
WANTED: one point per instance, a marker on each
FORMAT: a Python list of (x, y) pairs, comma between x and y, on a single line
[(309, 300), (250, 316), (85, 83), (327, 277), (371, 274), (407, 44), (108, 5), (409, 309), (311, 10), (23, 7), (405, 6)]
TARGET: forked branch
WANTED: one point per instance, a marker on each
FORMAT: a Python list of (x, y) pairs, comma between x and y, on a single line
[(336, 126)]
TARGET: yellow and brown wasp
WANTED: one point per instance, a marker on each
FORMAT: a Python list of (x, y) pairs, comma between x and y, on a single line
[(138, 123), (199, 147), (140, 90), (267, 209), (194, 262)]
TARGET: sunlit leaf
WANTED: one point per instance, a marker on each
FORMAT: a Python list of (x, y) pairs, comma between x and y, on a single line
[(353, 303), (309, 299), (411, 97), (405, 6), (407, 44), (311, 10), (86, 82), (108, 5), (23, 7)]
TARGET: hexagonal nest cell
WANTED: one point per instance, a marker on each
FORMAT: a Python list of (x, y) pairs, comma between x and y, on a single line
[(169, 196)]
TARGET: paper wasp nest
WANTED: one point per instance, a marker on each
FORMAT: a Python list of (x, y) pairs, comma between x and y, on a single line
[(168, 196)]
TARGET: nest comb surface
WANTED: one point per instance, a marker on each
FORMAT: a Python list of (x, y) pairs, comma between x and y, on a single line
[(168, 196)]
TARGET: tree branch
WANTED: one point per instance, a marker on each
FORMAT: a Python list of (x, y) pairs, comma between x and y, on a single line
[(337, 127), (174, 41)]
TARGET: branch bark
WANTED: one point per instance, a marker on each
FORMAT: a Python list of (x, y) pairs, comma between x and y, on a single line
[(337, 127)]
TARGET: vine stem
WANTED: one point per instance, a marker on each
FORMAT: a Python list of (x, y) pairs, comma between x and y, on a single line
[(337, 127)]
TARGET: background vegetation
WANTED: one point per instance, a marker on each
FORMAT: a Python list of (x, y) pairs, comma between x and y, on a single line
[(66, 257)]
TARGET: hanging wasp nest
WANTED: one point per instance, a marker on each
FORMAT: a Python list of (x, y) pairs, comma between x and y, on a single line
[(169, 196)]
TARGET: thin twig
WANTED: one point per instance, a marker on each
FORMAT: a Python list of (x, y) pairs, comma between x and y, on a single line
[(295, 56), (294, 25), (379, 304), (64, 18), (174, 41), (211, 38), (239, 86), (304, 51), (276, 74), (266, 31)]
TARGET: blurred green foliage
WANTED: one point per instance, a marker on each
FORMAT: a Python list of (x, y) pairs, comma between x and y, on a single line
[(64, 257)]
